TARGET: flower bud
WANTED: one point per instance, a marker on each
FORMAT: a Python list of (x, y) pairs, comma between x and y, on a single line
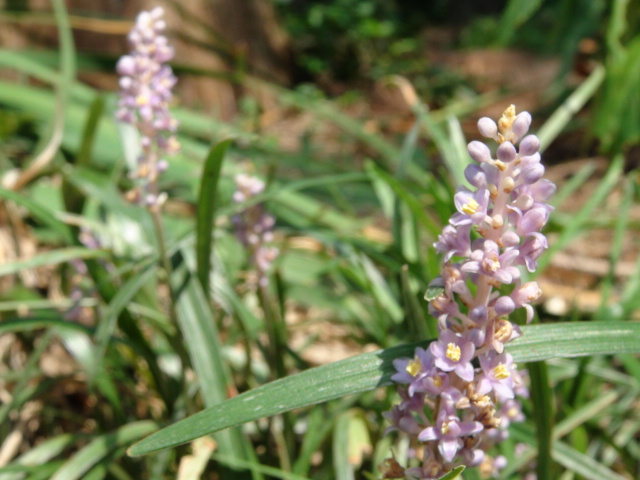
[(529, 145), (487, 127), (506, 152), (479, 152), (521, 125), (532, 173)]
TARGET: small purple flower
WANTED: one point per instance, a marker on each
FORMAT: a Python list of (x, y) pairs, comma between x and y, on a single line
[(440, 383), (453, 241), (448, 430), (496, 375), (472, 207), (454, 353), (532, 221), (510, 411), (403, 415), (531, 249), (488, 261), (413, 370)]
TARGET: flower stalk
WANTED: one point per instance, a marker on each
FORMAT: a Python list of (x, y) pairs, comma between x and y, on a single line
[(146, 83)]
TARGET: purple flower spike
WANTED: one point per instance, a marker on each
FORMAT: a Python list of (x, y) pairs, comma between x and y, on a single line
[(493, 234), (145, 94), (454, 353)]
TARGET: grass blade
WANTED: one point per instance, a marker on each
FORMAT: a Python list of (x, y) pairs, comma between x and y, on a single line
[(372, 370), (53, 257), (88, 456), (207, 210), (198, 328), (40, 212), (582, 464)]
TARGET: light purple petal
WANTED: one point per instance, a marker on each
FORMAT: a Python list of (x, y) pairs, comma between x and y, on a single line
[(469, 428), (484, 386), (465, 371), (449, 448), (427, 434), (503, 391)]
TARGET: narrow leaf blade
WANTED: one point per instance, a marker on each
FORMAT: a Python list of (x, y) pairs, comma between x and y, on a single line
[(372, 370), (207, 210)]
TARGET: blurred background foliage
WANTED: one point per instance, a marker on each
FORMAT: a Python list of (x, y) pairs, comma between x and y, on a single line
[(356, 113)]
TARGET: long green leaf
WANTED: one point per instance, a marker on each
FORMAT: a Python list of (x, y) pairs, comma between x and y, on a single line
[(41, 212), (582, 464), (53, 257), (87, 457), (372, 370), (207, 210), (107, 327), (516, 13), (542, 400), (38, 455), (570, 107), (198, 328)]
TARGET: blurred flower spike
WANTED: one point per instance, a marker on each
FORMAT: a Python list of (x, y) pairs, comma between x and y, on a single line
[(146, 82), (459, 396), (254, 226)]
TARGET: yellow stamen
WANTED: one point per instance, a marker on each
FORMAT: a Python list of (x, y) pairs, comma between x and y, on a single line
[(414, 367), (445, 428), (142, 100), (453, 352), (501, 372), (470, 207), (491, 264)]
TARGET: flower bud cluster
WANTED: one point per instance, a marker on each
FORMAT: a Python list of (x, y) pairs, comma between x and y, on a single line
[(254, 226), (459, 395), (146, 82)]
